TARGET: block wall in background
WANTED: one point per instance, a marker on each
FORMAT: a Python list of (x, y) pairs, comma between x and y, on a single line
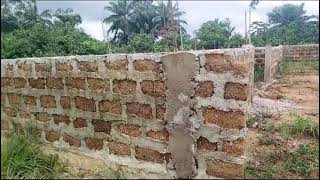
[(301, 52)]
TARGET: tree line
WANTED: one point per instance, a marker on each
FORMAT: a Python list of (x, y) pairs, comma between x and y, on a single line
[(134, 27), (287, 24)]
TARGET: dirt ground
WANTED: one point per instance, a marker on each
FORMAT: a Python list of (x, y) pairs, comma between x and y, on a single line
[(302, 91)]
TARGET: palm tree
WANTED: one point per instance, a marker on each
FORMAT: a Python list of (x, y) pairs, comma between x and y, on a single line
[(61, 17), (16, 14), (162, 12), (285, 17), (129, 17), (120, 19), (143, 17)]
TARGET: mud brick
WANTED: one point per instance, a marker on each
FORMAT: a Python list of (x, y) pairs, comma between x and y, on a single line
[(10, 112), (203, 143), (205, 89), (23, 114), (101, 126), (76, 83), (52, 136), (98, 84), (48, 101), (43, 67), (130, 130), (14, 99), (54, 83), (85, 104), (236, 91), (221, 63), (118, 148), (65, 102), (5, 82), (124, 87), (72, 141), (43, 116), (39, 83), (162, 135), (147, 154), (234, 148), (224, 119), (25, 67), (118, 65), (57, 118), (80, 123), (94, 143), (153, 88), (147, 65), (111, 106), (19, 82), (140, 110), (88, 66), (64, 67), (160, 111)]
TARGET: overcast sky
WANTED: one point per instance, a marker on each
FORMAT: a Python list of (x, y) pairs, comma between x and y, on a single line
[(197, 12)]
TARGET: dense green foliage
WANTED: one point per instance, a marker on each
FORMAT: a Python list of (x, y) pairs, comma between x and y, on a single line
[(218, 34), (139, 43), (41, 40), (287, 24), (24, 33), (135, 28)]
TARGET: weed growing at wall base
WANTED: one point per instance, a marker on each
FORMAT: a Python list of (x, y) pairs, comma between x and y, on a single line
[(304, 161), (22, 159), (300, 126)]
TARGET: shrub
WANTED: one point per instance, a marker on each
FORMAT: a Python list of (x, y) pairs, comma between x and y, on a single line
[(22, 159)]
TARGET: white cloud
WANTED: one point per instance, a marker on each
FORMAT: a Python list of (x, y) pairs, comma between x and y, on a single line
[(94, 28)]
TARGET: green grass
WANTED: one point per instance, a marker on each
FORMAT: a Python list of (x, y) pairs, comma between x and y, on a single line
[(22, 159), (266, 139), (279, 161), (304, 160), (275, 155), (258, 73), (288, 66), (300, 126), (263, 120), (251, 120), (269, 172)]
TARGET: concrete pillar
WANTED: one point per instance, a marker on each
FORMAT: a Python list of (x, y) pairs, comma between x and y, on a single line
[(268, 64)]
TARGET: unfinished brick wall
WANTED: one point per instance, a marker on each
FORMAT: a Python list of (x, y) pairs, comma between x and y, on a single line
[(273, 56), (117, 108), (301, 52), (269, 57), (290, 52)]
